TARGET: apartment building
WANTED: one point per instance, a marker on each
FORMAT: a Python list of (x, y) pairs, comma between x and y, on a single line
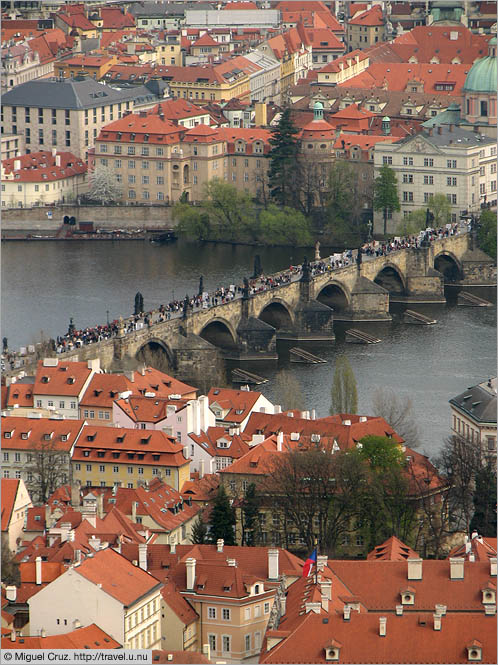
[(96, 66), (365, 28), (115, 456), (11, 145), (42, 178), (445, 159), (473, 415), (15, 504), (29, 442), (64, 114), (157, 160), (106, 589)]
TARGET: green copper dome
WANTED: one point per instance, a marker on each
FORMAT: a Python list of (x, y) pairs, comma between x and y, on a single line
[(482, 76)]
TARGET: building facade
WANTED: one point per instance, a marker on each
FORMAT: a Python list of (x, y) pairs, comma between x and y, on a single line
[(473, 416)]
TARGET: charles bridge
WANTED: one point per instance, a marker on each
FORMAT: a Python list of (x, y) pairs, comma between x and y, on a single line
[(246, 328)]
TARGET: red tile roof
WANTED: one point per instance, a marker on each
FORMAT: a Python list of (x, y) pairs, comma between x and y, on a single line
[(237, 403), (117, 576), (65, 378), (20, 394), (9, 493), (33, 433), (392, 550), (372, 17), (151, 380), (201, 489), (240, 5), (481, 548), (205, 40), (178, 109), (237, 443), (41, 167), (78, 21), (157, 448), (426, 42), (87, 637), (176, 602), (114, 18), (103, 389), (148, 409), (324, 39)]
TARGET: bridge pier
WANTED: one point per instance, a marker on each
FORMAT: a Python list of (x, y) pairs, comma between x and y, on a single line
[(423, 284), (256, 340), (368, 302)]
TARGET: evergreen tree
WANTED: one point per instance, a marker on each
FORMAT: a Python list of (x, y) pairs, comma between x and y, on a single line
[(222, 522), (386, 193), (10, 569), (484, 519), (199, 531), (486, 236), (283, 157), (344, 393), (251, 514)]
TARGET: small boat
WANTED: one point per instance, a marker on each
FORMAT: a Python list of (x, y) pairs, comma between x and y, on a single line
[(162, 238)]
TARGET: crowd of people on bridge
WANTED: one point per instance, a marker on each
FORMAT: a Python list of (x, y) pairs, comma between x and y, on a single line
[(75, 339)]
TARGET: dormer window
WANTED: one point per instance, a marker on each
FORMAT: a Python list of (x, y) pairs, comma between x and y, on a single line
[(488, 595), (64, 437), (91, 437), (48, 437), (333, 651), (86, 453), (71, 380), (407, 596), (25, 435), (256, 588), (8, 435), (474, 651), (45, 379)]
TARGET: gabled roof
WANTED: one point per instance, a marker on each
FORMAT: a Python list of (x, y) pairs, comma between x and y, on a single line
[(87, 637), (237, 403), (425, 42), (10, 488), (148, 409), (42, 167), (117, 576), (20, 394), (205, 40), (481, 548), (113, 18), (478, 402), (29, 433), (237, 443), (67, 378), (103, 389), (372, 17), (176, 602), (201, 489), (392, 550)]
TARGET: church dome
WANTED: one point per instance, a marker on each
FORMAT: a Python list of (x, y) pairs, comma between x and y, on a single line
[(483, 73)]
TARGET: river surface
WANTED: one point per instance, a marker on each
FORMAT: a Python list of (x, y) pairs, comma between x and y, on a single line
[(45, 283)]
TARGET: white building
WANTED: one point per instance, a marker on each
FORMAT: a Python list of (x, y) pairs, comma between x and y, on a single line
[(265, 84), (108, 590), (473, 415), (447, 160)]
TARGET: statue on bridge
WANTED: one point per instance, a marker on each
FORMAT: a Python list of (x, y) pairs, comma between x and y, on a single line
[(72, 327), (245, 289), (139, 304), (306, 270), (317, 251), (258, 268), (358, 258), (5, 345), (186, 304), (201, 285)]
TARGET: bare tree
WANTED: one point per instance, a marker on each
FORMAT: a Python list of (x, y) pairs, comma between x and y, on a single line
[(49, 467), (104, 186), (398, 412), (10, 569)]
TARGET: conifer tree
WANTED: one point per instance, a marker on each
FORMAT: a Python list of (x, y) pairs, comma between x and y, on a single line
[(222, 522), (199, 531), (283, 160), (484, 519), (386, 193), (250, 514), (344, 393)]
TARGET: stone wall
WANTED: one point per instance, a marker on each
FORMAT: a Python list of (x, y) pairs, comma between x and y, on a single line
[(106, 217)]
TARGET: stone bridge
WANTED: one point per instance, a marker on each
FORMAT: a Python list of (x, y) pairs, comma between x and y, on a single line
[(247, 327)]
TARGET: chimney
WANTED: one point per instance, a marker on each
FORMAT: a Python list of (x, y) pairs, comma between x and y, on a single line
[(76, 624), (201, 469), (273, 564), (325, 603), (414, 569), (54, 152), (313, 414), (17, 164), (43, 632), (441, 610), (75, 495), (100, 506), (321, 562), (77, 556), (142, 556), (190, 567), (280, 440), (13, 635), (430, 131), (71, 534), (456, 568), (38, 568), (232, 563), (313, 607), (492, 563), (172, 548), (326, 588), (490, 610), (57, 160), (134, 506), (437, 621), (382, 626), (219, 544), (11, 593), (185, 452), (399, 610), (347, 613)]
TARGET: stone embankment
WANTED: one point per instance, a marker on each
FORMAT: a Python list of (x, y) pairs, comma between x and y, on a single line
[(20, 221)]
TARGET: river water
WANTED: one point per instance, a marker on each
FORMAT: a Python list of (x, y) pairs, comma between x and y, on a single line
[(45, 283)]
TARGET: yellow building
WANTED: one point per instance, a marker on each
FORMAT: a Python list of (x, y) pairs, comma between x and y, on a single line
[(169, 52), (365, 29), (215, 83), (109, 457)]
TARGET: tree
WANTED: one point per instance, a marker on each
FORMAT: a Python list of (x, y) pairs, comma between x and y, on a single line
[(283, 157), (386, 193), (231, 212), (484, 500), (49, 465), (398, 412), (250, 516), (344, 393), (415, 222), (104, 186), (440, 208), (10, 569), (192, 222), (222, 519), (284, 226), (289, 391), (199, 530), (486, 236)]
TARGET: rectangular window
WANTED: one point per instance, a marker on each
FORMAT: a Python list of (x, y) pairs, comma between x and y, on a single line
[(131, 179), (88, 467), (211, 639), (68, 139), (130, 469), (159, 180), (407, 161), (226, 614), (212, 612), (407, 196), (145, 164), (226, 643), (145, 194), (160, 196), (428, 179), (248, 642), (145, 180), (451, 164), (67, 117), (102, 468), (145, 150), (408, 177), (428, 196), (115, 469), (140, 471), (267, 608), (159, 166), (387, 160), (132, 194), (131, 149), (451, 182), (159, 152)]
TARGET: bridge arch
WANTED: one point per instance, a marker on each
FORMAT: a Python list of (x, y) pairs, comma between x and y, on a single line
[(277, 314), (335, 295), (156, 353), (448, 265), (220, 333), (391, 279)]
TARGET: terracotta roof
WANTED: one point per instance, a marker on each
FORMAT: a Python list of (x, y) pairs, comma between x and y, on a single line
[(324, 39), (426, 42), (66, 378), (177, 109), (237, 403), (398, 77), (156, 446), (201, 489), (159, 130), (205, 40), (176, 602), (87, 637), (103, 389), (236, 443), (41, 167), (87, 61), (335, 65), (79, 21), (20, 394), (481, 548), (361, 140), (240, 5), (318, 129), (35, 519), (371, 17), (9, 493), (163, 385), (148, 409), (30, 433), (49, 572), (392, 550), (117, 576), (113, 18)]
